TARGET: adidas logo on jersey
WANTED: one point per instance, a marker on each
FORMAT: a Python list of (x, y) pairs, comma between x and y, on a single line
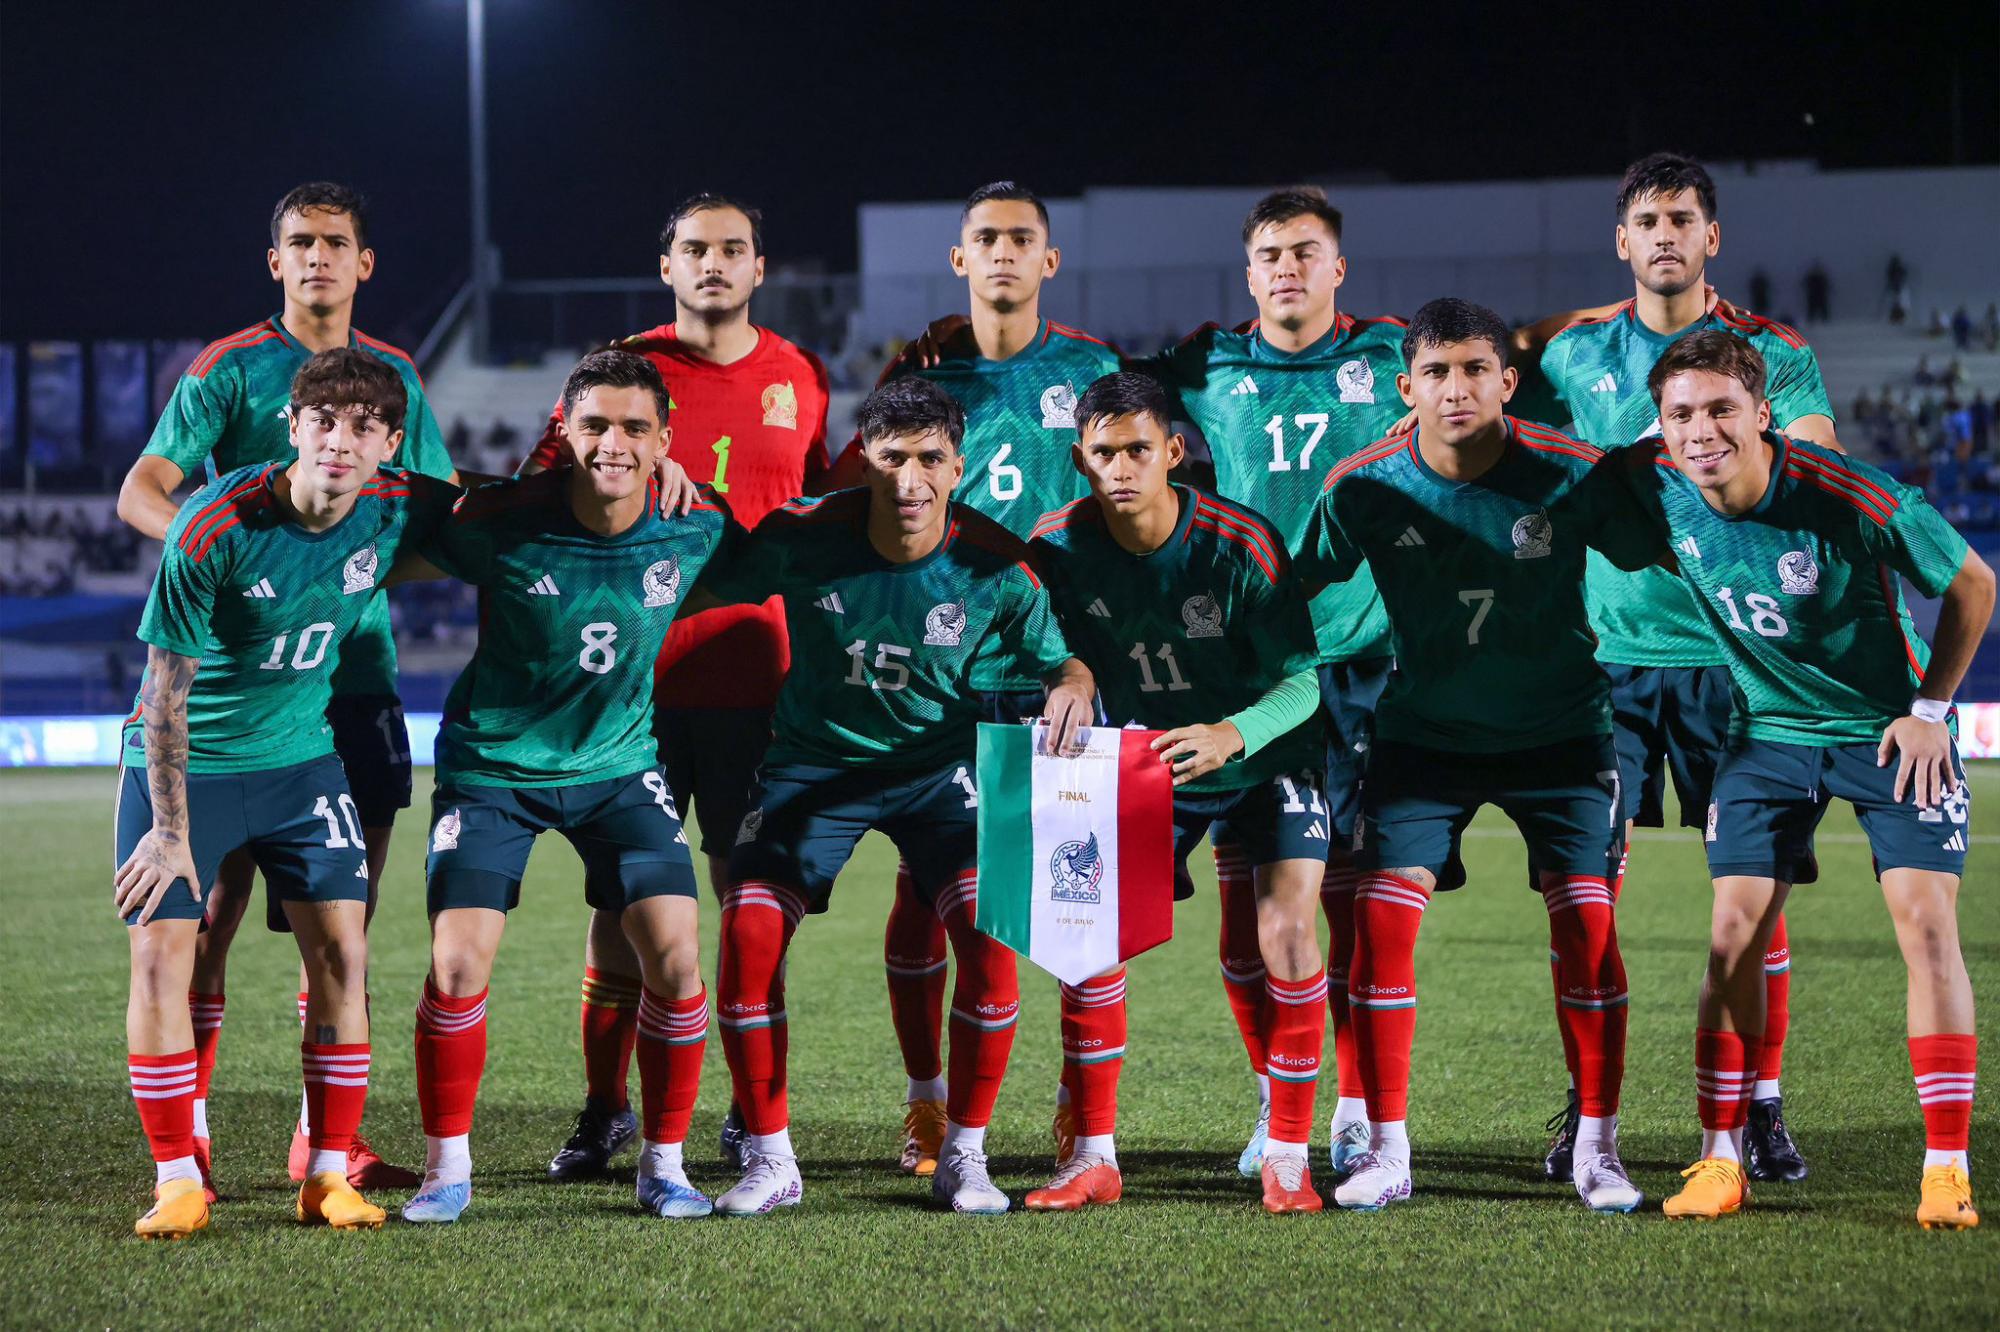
[(1099, 609), (545, 586), (260, 589), (831, 602), (1686, 546), (1955, 842), (1317, 832), (1410, 537), (1605, 385), (1245, 385)]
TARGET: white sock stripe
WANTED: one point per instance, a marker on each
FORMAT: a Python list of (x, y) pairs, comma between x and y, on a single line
[(752, 1021), (160, 1070), (1945, 1098), (1396, 894), (1930, 1079), (1296, 998), (930, 970), (163, 1093), (328, 1081), (984, 1023), (1096, 1056), (1242, 977), (153, 1084), (356, 1064), (448, 1022), (753, 892)]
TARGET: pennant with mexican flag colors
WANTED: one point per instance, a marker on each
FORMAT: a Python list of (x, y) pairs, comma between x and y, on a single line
[(1076, 855)]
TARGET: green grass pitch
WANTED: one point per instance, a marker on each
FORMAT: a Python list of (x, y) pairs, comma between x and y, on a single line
[(1484, 1243)]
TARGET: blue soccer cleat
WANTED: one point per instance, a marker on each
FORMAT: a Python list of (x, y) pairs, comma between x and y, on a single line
[(1250, 1164), (1349, 1145), (439, 1204), (672, 1197)]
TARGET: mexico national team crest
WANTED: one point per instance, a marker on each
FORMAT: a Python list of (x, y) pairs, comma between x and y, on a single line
[(945, 625), (781, 406), (1075, 872), (444, 837), (1534, 536), (1059, 407), (662, 582), (359, 573), (1357, 381), (753, 823), (1202, 616), (1798, 573)]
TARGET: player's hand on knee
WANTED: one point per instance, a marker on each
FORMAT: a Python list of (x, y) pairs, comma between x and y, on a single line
[(147, 874), (1195, 751), (1924, 765)]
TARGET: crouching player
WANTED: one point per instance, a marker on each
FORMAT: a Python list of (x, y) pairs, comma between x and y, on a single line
[(1185, 608), (549, 728), (1792, 551), (265, 572)]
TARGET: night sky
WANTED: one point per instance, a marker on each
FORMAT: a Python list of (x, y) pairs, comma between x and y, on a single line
[(143, 146)]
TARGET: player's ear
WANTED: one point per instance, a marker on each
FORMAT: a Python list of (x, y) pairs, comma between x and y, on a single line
[(1076, 459), (1051, 261), (1510, 379), (958, 260), (1763, 415), (1176, 450), (667, 269), (1339, 270), (364, 265), (1406, 389), (760, 272), (395, 439), (1618, 236), (666, 439), (1713, 238), (271, 261)]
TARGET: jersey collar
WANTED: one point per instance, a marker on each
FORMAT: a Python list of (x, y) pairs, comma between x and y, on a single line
[(277, 322), (1343, 328)]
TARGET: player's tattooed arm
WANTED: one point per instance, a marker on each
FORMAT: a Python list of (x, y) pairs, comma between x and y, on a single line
[(1920, 748), (164, 854)]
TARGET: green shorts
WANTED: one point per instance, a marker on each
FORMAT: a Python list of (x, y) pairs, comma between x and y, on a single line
[(711, 757), (1668, 721)]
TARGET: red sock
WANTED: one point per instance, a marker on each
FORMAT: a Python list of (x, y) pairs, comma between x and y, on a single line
[(913, 955), (1297, 1034), (163, 1090), (1777, 1004), (1618, 879), (451, 1056), (1093, 1037), (207, 1012), (1945, 1066), (985, 1003), (336, 1090), (303, 996), (1725, 1067), (675, 1033), (1242, 959), (1336, 899), (758, 920), (1590, 986), (610, 1025), (1382, 989)]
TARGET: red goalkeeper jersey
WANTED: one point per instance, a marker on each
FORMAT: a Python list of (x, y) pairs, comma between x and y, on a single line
[(756, 431)]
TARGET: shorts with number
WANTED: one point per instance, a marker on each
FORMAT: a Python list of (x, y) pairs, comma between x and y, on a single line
[(711, 757), (1769, 797), (1285, 819), (1563, 797), (373, 742), (805, 820), (626, 829), (1348, 693), (299, 824), (1668, 720)]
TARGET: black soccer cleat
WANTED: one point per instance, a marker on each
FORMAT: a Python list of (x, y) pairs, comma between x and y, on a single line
[(1768, 1150), (601, 1133), (733, 1137), (1558, 1164)]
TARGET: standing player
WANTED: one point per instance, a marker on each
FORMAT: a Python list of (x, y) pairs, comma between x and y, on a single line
[(898, 602), (1184, 607), (227, 412), (1669, 683), (1476, 525), (265, 573), (750, 412), (1791, 551)]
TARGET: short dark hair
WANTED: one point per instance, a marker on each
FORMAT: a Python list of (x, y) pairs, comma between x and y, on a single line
[(910, 405), (1715, 349), (1005, 190), (1288, 203), (1449, 319), (1124, 393), (614, 369), (1666, 173), (350, 377), (707, 202), (322, 196)]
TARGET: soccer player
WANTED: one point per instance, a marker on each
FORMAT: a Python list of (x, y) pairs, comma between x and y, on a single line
[(227, 412), (1791, 552), (1185, 609), (265, 573), (1586, 373), (1281, 401), (1475, 524), (749, 409), (899, 601), (550, 728)]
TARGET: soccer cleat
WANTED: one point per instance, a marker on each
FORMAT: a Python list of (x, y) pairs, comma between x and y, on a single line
[(962, 1184), (600, 1134), (1947, 1200), (1063, 1130), (367, 1170), (1250, 1164), (204, 1158), (1714, 1188), (1378, 1179), (439, 1204), (328, 1198), (1604, 1186), (1560, 1163), (671, 1196), (1768, 1150), (768, 1182), (1288, 1184), (1349, 1144), (730, 1141), (179, 1209), (1082, 1181), (923, 1130)]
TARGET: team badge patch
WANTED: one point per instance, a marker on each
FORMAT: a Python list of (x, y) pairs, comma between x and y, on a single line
[(753, 823), (1709, 835), (781, 406), (1533, 536), (444, 837), (1076, 872), (1202, 616), (662, 582), (359, 573), (1798, 573), (1059, 407), (945, 625), (1356, 380)]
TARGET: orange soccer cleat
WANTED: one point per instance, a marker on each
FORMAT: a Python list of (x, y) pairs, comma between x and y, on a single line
[(179, 1209), (1288, 1185), (923, 1135), (1715, 1187), (1947, 1200), (1085, 1180), (327, 1198)]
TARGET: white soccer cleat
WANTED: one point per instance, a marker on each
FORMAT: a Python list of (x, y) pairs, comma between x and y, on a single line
[(1378, 1179), (962, 1184), (1603, 1185), (768, 1182), (1250, 1164)]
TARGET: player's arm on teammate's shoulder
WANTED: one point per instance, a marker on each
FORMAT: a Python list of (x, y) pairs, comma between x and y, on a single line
[(1816, 427), (1327, 552), (184, 436), (164, 854), (146, 497), (1618, 522)]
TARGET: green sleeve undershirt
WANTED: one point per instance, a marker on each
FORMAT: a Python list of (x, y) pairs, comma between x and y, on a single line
[(1284, 707)]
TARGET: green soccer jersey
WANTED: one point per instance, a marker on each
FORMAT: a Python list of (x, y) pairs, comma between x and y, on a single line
[(1192, 632), (886, 658), (560, 689), (1801, 591), (1483, 581), (228, 411), (1591, 381), (267, 608), (1277, 422)]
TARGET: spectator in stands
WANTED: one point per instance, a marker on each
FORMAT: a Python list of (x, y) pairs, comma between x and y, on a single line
[(1760, 290), (1899, 289), (1989, 328), (1925, 376), (1954, 373), (459, 442), (1961, 327), (1938, 327), (1981, 410), (1819, 293)]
